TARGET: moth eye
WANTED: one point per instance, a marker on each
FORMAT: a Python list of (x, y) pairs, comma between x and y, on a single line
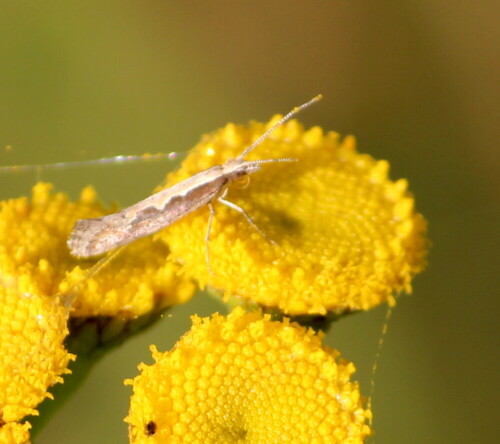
[(243, 181), (150, 428)]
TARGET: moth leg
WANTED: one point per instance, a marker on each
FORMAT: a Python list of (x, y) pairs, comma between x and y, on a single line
[(247, 216), (68, 297), (207, 238)]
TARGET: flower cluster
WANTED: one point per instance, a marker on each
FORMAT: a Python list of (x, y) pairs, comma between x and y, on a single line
[(344, 238), (39, 281)]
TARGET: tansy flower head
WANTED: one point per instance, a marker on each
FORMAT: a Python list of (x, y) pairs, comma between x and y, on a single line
[(244, 378), (33, 237), (37, 278), (346, 237), (15, 433), (32, 355)]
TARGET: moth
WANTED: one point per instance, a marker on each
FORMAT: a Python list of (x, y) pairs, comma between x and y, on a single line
[(92, 237)]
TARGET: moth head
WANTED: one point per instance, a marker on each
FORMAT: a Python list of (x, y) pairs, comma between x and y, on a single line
[(238, 168)]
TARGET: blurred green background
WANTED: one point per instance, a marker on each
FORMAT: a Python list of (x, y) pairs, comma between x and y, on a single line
[(414, 81)]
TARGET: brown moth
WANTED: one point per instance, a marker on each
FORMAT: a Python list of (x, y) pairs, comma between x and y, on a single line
[(92, 237)]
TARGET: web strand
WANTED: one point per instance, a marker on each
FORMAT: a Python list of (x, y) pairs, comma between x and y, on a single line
[(380, 344), (113, 160)]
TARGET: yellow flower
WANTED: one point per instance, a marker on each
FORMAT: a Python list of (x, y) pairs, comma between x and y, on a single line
[(245, 378), (15, 433), (33, 237), (347, 237), (32, 355), (38, 278)]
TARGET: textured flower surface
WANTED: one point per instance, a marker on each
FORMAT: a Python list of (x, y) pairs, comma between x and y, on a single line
[(347, 238), (32, 354), (15, 433), (33, 235), (245, 378), (38, 281)]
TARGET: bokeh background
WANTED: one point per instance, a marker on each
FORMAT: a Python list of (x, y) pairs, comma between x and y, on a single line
[(415, 81)]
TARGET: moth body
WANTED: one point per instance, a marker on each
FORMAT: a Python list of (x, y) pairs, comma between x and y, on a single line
[(92, 237)]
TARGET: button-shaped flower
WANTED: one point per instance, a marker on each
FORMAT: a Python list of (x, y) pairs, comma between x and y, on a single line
[(33, 237), (344, 236), (40, 284), (32, 354), (245, 378)]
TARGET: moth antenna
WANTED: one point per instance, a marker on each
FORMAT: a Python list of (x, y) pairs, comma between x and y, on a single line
[(286, 117), (281, 159)]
